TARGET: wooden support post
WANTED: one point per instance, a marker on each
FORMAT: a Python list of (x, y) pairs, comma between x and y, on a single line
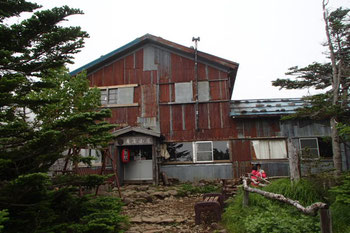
[(326, 220), (245, 198)]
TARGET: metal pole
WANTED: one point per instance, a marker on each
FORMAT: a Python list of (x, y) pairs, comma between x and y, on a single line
[(196, 81)]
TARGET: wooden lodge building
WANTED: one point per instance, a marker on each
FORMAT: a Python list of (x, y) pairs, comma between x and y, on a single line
[(175, 115)]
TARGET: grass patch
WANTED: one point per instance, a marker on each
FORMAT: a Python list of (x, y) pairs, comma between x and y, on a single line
[(265, 216)]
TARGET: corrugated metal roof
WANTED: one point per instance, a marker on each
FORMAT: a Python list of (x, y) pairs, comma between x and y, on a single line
[(264, 107), (159, 41)]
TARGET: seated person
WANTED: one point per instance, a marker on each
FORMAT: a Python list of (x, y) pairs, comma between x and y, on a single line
[(258, 175)]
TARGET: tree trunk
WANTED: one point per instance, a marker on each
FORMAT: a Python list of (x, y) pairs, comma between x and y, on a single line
[(336, 146), (336, 75), (294, 163)]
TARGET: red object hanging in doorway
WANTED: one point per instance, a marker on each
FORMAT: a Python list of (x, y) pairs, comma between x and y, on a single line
[(125, 155)]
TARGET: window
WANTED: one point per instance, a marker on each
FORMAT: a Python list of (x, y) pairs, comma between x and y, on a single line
[(180, 151), (203, 151), (221, 150), (203, 91), (183, 92), (92, 153), (269, 149), (309, 148), (114, 95)]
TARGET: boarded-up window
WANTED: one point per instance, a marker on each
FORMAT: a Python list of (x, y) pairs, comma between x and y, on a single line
[(183, 92), (203, 151), (125, 95), (203, 91), (269, 149), (121, 95), (309, 148)]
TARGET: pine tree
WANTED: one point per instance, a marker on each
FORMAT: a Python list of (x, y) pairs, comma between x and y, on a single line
[(332, 77), (44, 112)]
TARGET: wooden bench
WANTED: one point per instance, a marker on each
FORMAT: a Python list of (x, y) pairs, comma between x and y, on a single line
[(212, 202)]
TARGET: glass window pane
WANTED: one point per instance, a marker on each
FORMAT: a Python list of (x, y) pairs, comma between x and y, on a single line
[(309, 148), (204, 146), (278, 149), (261, 149), (112, 97), (309, 142), (180, 151), (103, 97), (221, 150), (204, 156)]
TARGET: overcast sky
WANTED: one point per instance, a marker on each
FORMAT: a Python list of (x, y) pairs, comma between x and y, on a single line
[(265, 37)]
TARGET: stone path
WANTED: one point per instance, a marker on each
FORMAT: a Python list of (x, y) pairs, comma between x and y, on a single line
[(155, 209)]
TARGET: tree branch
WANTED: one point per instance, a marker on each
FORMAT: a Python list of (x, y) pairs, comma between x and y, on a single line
[(309, 210)]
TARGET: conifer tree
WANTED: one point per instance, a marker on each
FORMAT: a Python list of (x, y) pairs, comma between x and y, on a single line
[(333, 77), (44, 112)]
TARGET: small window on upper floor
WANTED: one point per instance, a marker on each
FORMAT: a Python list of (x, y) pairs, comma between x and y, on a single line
[(117, 95), (183, 92)]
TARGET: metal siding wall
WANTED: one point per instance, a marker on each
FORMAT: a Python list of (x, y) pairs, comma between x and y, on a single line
[(198, 172)]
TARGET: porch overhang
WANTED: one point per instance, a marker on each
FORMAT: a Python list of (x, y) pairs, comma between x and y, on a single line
[(141, 130)]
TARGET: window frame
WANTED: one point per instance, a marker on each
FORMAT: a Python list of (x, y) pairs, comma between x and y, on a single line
[(195, 155), (317, 147), (107, 88), (269, 148)]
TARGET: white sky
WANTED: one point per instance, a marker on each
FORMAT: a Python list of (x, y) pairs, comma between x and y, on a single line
[(265, 37)]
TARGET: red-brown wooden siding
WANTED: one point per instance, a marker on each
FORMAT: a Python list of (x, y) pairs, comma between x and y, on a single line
[(177, 121)]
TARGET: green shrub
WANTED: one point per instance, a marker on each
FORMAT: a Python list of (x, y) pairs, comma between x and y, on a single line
[(278, 219), (340, 209), (3, 218)]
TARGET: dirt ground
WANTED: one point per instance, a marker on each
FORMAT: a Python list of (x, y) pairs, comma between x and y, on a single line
[(160, 209)]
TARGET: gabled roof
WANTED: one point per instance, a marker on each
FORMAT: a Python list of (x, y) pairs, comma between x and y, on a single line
[(264, 107), (141, 130), (148, 38)]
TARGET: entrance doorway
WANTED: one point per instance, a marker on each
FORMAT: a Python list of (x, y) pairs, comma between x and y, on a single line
[(140, 165)]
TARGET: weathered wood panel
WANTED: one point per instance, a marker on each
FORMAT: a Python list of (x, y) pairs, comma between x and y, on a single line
[(165, 119), (213, 73), (118, 73), (177, 117), (214, 115), (148, 101), (241, 150), (203, 116), (202, 72), (189, 114), (215, 91), (164, 93), (108, 75)]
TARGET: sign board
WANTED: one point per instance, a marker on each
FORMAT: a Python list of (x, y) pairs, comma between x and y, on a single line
[(135, 140)]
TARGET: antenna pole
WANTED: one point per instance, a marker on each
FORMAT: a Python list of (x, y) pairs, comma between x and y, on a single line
[(196, 81)]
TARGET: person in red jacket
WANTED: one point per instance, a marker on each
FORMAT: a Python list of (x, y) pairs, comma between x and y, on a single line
[(257, 175)]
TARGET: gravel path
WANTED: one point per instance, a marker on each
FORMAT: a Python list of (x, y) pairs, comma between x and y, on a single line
[(159, 209)]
